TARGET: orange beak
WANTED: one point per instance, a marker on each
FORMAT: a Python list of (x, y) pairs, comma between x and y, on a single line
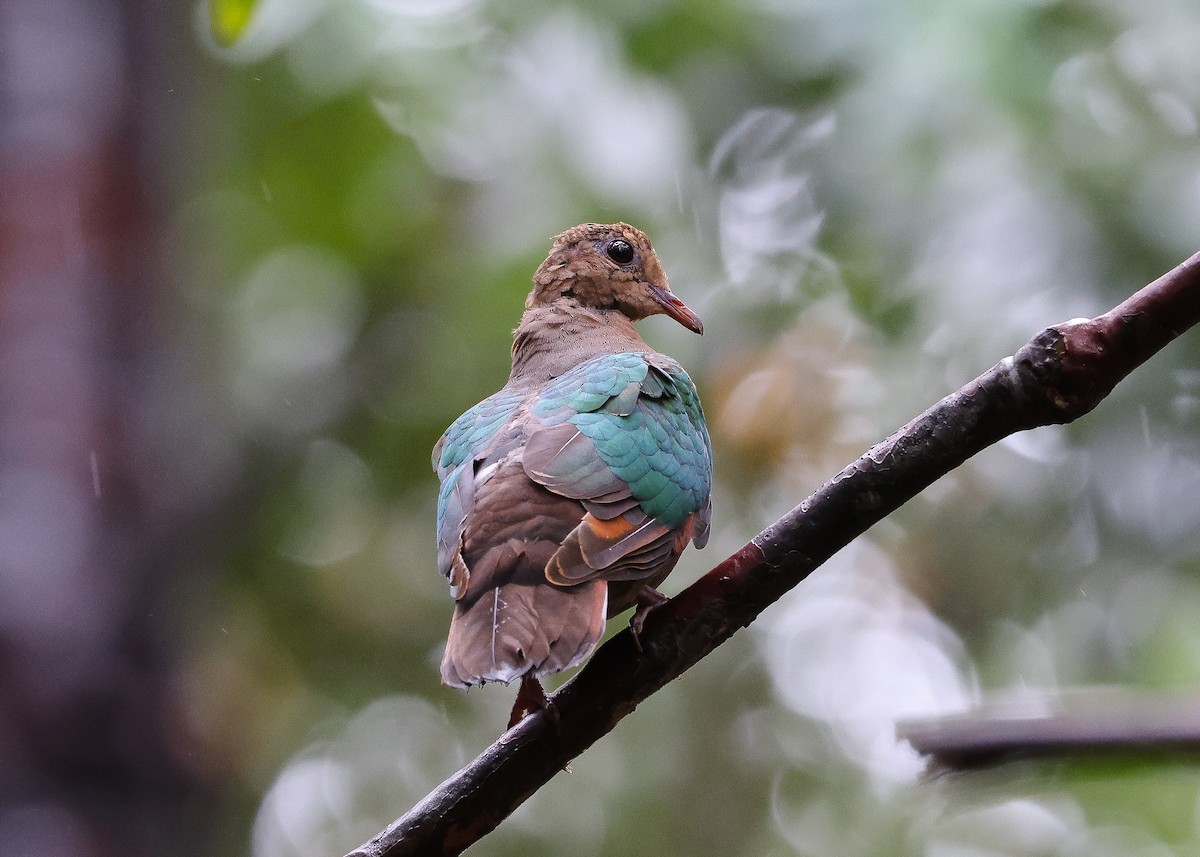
[(676, 309)]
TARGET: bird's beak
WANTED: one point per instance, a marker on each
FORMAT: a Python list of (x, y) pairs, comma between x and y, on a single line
[(676, 309)]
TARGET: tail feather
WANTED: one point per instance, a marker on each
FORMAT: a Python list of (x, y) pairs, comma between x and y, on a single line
[(518, 628)]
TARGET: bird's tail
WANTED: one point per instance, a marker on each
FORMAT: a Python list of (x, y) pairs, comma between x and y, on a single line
[(518, 628)]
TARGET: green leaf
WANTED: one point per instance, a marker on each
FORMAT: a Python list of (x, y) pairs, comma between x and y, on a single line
[(229, 19)]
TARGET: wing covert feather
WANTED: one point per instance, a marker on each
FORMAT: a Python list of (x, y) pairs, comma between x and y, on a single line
[(625, 434)]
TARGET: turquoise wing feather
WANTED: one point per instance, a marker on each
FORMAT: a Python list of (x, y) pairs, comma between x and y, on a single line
[(471, 433), (466, 440), (643, 417)]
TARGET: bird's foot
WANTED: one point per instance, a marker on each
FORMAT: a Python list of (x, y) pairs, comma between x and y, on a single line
[(647, 599), (530, 699)]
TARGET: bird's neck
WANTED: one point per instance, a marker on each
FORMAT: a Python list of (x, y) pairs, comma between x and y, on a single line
[(555, 338)]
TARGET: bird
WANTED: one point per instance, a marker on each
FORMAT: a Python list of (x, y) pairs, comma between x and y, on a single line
[(568, 496)]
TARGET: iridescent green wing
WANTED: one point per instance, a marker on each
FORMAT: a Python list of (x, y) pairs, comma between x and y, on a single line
[(465, 441), (625, 434)]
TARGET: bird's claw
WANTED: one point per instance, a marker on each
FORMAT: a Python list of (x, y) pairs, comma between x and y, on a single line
[(532, 698), (648, 599)]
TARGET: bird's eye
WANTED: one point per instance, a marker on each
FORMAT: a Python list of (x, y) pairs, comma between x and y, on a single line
[(620, 251)]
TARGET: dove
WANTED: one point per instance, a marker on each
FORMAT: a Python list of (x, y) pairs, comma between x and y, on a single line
[(568, 496)]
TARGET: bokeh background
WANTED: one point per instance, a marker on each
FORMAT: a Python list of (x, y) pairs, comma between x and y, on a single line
[(255, 259)]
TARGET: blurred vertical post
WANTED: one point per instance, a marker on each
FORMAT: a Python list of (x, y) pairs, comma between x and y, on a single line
[(87, 765)]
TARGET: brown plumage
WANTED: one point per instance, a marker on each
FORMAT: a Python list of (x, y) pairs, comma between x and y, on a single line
[(577, 486)]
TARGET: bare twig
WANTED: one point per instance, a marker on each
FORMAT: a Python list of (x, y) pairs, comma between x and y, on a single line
[(1156, 726), (1059, 375)]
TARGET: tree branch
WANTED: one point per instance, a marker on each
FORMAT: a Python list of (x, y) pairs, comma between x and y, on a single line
[(1161, 726), (1059, 375)]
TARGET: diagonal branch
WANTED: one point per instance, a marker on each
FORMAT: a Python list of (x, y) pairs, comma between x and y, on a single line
[(1058, 376)]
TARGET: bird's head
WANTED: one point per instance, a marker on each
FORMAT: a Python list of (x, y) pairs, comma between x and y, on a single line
[(608, 267)]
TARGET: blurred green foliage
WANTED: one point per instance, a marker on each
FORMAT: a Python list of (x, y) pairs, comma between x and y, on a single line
[(229, 19), (869, 202)]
